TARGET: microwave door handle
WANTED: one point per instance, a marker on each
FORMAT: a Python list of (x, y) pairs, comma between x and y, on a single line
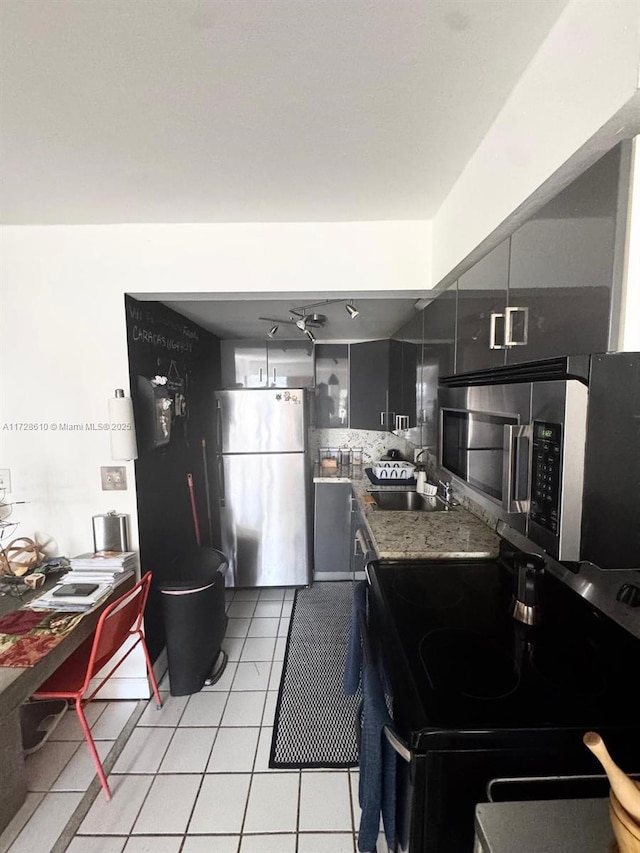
[(515, 461)]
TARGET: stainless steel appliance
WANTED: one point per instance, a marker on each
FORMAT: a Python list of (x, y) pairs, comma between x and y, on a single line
[(489, 709), (552, 449), (264, 486)]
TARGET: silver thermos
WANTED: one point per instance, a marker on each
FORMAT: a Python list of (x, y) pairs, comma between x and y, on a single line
[(110, 532)]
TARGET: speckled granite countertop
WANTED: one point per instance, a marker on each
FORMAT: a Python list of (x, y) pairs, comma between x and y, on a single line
[(456, 534)]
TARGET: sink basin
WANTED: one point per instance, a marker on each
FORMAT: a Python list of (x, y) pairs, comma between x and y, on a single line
[(408, 501)]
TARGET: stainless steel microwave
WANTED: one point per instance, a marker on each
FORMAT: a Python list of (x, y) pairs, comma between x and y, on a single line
[(551, 448)]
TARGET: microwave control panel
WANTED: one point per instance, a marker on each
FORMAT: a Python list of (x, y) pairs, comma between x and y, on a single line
[(546, 466)]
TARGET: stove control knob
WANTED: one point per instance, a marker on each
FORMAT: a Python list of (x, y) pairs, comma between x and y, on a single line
[(629, 594)]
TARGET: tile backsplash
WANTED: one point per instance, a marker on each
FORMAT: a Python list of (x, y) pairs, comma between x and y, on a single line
[(374, 443)]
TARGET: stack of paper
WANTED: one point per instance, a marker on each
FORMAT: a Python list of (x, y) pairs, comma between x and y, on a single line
[(72, 603), (112, 567)]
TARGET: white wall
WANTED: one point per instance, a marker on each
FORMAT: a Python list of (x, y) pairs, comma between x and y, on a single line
[(630, 333), (63, 334), (584, 74)]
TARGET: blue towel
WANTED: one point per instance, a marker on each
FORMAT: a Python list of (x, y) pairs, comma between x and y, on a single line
[(353, 664), (377, 788)]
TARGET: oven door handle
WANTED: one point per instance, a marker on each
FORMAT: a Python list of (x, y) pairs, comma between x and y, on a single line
[(398, 744)]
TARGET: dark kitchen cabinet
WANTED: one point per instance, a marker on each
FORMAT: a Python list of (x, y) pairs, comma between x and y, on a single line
[(482, 303), (375, 392), (267, 364), (362, 550), (331, 385), (409, 377), (563, 268), (332, 536)]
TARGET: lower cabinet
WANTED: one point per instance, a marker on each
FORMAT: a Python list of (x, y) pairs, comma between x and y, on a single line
[(332, 536), (362, 550)]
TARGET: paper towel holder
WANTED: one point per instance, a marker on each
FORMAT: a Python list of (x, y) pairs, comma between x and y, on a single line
[(122, 431)]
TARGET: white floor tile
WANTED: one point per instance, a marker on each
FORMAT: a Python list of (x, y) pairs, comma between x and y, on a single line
[(273, 803), (154, 844), (220, 805), (204, 709), (79, 772), (270, 609), (247, 594), (264, 750), (289, 594), (281, 647), (268, 844), (44, 766), (188, 751), (211, 844), (252, 676), (269, 715), (287, 609), (234, 751), (144, 751), (244, 708), (241, 609), (272, 594), (264, 627), (69, 727), (226, 679), (233, 647), (354, 778), (19, 820), (168, 715), (97, 844), (381, 844), (258, 648), (45, 825), (118, 816), (283, 627), (168, 805), (276, 675), (113, 720), (324, 802), (327, 842), (237, 627)]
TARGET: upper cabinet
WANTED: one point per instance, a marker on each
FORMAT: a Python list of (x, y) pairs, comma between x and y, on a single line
[(266, 364), (332, 386), (554, 287), (375, 369)]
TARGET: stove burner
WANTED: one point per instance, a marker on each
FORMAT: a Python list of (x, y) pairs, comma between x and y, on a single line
[(465, 663), (569, 666), (441, 594)]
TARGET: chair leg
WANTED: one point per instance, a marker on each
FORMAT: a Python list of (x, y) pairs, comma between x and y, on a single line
[(92, 748), (152, 678)]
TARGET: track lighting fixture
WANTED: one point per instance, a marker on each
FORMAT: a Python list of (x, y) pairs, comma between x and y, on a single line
[(272, 331), (351, 310), (302, 324), (310, 335)]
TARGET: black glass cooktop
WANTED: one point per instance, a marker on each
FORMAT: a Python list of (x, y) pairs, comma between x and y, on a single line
[(456, 658)]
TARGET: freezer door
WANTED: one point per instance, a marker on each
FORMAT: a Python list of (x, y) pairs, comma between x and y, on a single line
[(258, 420), (265, 531)]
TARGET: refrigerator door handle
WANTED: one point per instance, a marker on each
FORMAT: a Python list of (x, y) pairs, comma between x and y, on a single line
[(219, 457)]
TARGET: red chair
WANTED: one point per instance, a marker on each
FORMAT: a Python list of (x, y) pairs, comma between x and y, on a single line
[(120, 620)]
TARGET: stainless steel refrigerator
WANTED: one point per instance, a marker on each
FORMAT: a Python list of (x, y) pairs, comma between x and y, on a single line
[(264, 480)]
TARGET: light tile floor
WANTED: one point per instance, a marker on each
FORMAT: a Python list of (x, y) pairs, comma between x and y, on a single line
[(194, 776)]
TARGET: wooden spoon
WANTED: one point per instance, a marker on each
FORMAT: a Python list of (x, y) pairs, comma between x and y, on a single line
[(623, 787)]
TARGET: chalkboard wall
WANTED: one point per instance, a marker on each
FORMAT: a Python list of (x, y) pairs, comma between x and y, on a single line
[(174, 368)]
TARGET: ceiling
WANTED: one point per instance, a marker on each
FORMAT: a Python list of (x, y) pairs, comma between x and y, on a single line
[(127, 111)]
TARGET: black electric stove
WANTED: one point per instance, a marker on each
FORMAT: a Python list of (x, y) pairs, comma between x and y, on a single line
[(487, 703)]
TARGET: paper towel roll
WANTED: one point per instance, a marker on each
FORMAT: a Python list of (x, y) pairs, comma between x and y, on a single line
[(122, 428)]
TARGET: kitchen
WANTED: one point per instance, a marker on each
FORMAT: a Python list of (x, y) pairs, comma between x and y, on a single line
[(152, 259)]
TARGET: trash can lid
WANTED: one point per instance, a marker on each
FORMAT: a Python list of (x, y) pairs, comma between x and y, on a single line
[(199, 568)]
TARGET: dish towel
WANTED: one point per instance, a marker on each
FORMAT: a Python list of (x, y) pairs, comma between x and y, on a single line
[(377, 758)]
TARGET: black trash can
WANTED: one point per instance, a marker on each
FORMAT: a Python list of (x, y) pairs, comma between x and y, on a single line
[(193, 603)]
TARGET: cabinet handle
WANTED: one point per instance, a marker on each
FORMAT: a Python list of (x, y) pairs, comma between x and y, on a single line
[(508, 327), (492, 331), (274, 376), (260, 376)]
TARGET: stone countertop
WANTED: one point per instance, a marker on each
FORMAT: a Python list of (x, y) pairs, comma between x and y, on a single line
[(456, 534)]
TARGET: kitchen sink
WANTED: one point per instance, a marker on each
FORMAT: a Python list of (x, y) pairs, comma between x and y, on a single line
[(412, 501)]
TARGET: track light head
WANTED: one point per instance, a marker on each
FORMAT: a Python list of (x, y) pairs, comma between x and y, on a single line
[(310, 335), (302, 324), (351, 310), (272, 331)]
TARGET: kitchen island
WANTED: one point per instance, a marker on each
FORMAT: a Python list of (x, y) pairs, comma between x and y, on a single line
[(411, 535)]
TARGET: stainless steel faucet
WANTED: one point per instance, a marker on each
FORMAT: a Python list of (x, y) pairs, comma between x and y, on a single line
[(446, 489)]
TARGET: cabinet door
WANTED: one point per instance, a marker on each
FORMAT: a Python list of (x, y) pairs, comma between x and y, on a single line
[(562, 269), (332, 531), (369, 385), (290, 364), (332, 385), (482, 300), (410, 336), (243, 364)]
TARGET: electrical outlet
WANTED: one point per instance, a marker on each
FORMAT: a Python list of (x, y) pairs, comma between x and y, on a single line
[(5, 479), (113, 478)]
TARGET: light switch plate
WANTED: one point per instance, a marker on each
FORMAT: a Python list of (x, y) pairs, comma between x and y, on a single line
[(114, 478)]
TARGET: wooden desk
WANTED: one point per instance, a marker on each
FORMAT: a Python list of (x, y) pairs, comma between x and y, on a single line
[(17, 684)]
